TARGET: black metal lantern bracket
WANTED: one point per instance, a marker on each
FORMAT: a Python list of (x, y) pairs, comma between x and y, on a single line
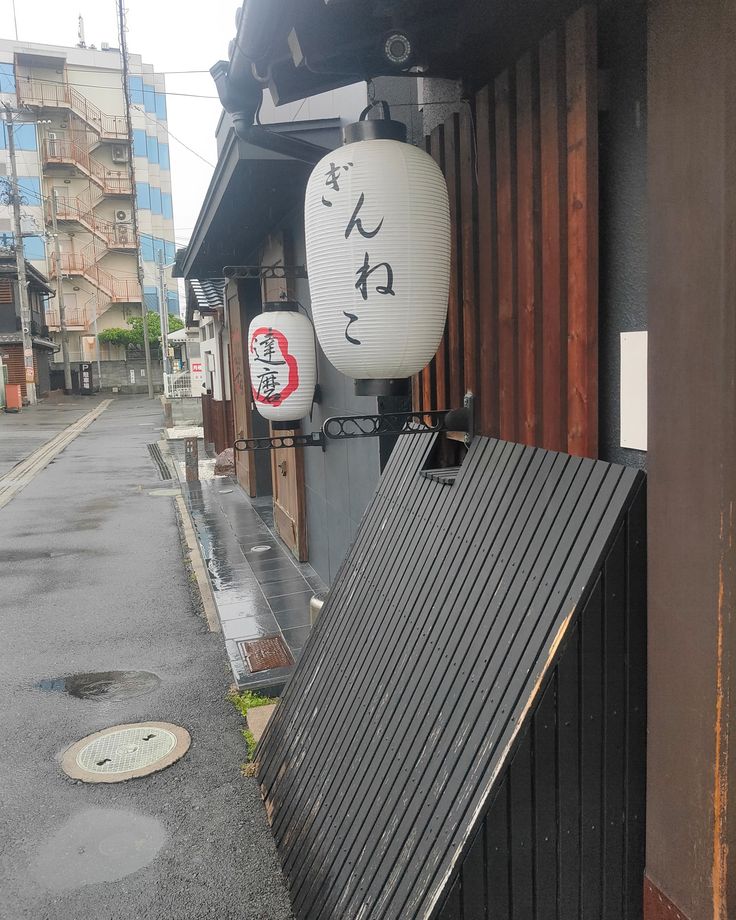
[(276, 271), (350, 427)]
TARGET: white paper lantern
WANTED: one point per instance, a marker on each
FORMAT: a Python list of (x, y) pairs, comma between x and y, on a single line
[(377, 226), (283, 364)]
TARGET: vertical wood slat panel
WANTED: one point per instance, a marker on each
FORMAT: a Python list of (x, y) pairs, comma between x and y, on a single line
[(468, 249), (487, 302), (522, 315), (505, 191), (454, 314), (527, 245), (582, 232), (554, 263), (439, 395)]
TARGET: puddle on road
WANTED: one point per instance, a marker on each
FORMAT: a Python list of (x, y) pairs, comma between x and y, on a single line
[(104, 686), (98, 845)]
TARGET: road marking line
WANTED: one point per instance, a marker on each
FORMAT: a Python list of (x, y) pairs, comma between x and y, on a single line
[(24, 472)]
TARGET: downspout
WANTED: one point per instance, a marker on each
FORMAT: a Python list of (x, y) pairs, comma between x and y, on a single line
[(241, 100)]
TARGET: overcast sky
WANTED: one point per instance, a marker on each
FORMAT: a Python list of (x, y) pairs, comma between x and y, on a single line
[(172, 35)]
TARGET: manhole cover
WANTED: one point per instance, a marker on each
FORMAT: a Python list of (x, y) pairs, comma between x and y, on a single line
[(264, 654), (125, 751), (164, 492), (262, 548), (105, 686)]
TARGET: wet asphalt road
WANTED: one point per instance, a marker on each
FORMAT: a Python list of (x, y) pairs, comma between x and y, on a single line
[(92, 579)]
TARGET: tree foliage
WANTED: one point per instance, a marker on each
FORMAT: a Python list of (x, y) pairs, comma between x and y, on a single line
[(133, 336)]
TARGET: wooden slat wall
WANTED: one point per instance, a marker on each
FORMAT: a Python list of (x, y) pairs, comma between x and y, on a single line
[(521, 168)]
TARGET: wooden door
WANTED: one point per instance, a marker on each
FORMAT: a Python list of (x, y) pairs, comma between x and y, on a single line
[(240, 387), (287, 466)]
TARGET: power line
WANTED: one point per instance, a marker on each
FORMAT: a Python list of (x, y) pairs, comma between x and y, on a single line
[(157, 91), (177, 139)]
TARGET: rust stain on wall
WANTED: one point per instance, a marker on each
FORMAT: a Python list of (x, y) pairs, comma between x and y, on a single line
[(722, 719)]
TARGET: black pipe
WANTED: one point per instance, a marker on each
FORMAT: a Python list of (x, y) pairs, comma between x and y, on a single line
[(242, 100)]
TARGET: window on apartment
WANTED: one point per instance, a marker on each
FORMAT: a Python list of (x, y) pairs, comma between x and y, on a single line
[(25, 137), (155, 200), (135, 87), (34, 248), (167, 206), (7, 78), (152, 148), (149, 98), (163, 156), (30, 190), (143, 195), (161, 106), (140, 147)]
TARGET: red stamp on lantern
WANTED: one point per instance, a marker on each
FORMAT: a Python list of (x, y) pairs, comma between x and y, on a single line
[(275, 373)]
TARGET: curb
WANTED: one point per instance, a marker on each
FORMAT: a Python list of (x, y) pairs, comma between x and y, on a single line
[(194, 550)]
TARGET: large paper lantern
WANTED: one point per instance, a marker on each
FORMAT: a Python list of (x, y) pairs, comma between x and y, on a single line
[(377, 226), (283, 364)]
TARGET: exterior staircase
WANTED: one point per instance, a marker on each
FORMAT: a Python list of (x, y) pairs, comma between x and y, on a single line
[(74, 149), (45, 94), (85, 264), (116, 236)]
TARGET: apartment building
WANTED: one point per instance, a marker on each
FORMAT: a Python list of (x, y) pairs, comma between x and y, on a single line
[(73, 148)]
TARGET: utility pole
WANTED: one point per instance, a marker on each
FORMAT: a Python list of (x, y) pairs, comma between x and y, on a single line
[(20, 263), (164, 314), (60, 295), (131, 174)]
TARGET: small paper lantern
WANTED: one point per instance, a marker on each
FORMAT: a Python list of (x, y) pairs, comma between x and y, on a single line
[(377, 225), (283, 364)]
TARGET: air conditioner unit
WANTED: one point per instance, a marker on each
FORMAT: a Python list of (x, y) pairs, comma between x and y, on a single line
[(119, 153), (123, 217), (123, 234)]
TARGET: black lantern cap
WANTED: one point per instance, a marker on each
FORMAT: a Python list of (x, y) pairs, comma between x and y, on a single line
[(375, 129), (287, 306), (378, 386)]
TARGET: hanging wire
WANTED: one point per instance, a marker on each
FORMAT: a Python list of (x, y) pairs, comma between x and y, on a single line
[(474, 134)]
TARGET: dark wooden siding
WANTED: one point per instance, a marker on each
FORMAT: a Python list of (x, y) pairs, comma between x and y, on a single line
[(429, 668), (217, 422), (521, 168), (564, 836), (16, 366)]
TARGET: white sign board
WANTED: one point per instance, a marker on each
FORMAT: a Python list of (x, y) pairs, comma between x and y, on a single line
[(634, 390)]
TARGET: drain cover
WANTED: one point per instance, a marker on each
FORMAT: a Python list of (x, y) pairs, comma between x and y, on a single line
[(105, 686), (125, 751), (264, 654)]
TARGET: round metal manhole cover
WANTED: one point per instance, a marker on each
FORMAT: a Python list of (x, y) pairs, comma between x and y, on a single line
[(125, 751), (164, 492), (263, 548)]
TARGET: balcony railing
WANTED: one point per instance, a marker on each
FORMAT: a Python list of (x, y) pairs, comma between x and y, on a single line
[(115, 235), (73, 318), (85, 266), (46, 94), (64, 150)]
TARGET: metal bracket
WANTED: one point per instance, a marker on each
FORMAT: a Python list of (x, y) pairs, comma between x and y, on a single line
[(313, 439), (347, 427), (264, 271)]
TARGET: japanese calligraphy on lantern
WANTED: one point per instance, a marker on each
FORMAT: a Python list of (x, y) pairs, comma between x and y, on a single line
[(377, 231), (365, 270), (274, 371)]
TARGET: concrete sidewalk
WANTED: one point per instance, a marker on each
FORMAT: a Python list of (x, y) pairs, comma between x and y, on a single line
[(23, 432), (93, 580)]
